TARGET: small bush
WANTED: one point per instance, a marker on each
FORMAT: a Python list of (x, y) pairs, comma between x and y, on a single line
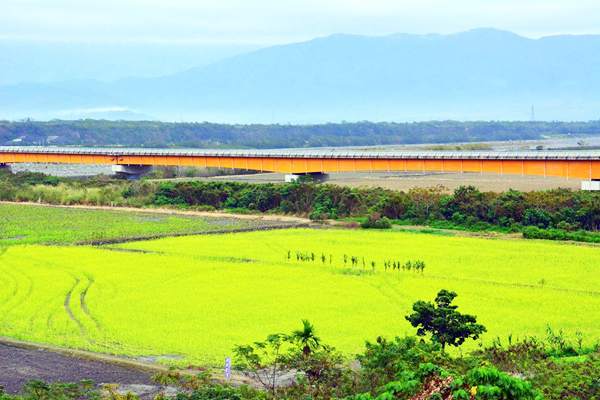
[(375, 221)]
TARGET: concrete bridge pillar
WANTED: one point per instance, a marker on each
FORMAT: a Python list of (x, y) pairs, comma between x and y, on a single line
[(132, 172), (317, 177), (593, 184)]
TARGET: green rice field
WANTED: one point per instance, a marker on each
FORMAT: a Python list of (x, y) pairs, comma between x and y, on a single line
[(198, 296), (36, 224)]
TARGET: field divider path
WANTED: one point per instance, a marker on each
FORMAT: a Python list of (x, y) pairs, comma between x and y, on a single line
[(168, 211), (283, 225)]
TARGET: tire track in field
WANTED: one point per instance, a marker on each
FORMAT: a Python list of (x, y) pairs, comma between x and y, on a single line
[(15, 298), (54, 310), (507, 284), (12, 286), (389, 291), (68, 308), (514, 284), (83, 306)]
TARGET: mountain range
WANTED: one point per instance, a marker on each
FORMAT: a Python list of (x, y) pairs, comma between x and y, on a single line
[(482, 74)]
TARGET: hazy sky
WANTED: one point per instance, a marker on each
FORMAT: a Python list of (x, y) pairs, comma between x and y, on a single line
[(266, 22)]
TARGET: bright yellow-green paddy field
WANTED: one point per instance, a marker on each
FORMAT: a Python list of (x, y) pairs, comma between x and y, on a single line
[(198, 296)]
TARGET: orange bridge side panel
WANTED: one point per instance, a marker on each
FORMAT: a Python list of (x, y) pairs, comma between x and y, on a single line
[(363, 164), (493, 166), (346, 165), (581, 169), (556, 168), (512, 167), (186, 161), (268, 164), (379, 165), (472, 166), (533, 167), (434, 165), (314, 165), (131, 160), (398, 165), (239, 163), (414, 165), (297, 165), (452, 165), (330, 165), (226, 162), (253, 164), (19, 158)]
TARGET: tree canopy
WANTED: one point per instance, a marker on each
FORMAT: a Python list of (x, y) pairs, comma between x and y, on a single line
[(446, 325)]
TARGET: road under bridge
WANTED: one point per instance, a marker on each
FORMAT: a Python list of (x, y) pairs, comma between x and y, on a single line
[(296, 162)]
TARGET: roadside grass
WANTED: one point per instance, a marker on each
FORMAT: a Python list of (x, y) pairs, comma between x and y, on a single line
[(198, 296)]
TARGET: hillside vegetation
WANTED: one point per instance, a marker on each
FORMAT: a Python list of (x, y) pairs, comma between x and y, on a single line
[(211, 135)]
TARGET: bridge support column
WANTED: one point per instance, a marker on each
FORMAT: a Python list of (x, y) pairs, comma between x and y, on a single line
[(593, 184), (316, 177), (132, 172)]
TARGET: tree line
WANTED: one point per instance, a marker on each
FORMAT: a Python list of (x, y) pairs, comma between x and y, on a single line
[(90, 132), (561, 214), (466, 207)]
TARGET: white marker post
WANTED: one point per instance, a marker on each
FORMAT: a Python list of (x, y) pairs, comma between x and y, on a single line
[(228, 367)]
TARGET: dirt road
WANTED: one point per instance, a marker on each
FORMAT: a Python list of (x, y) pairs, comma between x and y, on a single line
[(17, 365), (400, 180), (260, 217)]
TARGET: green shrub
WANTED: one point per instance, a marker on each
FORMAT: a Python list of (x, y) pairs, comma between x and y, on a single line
[(375, 221)]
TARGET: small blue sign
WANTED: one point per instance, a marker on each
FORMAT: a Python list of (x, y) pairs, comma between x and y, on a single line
[(228, 367)]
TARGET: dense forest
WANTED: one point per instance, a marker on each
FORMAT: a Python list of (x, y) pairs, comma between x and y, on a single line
[(210, 135)]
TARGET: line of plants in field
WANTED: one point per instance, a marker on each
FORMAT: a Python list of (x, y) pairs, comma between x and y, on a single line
[(356, 261), (561, 213)]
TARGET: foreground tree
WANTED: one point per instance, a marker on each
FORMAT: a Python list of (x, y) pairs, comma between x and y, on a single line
[(263, 361), (319, 368), (306, 338), (446, 325)]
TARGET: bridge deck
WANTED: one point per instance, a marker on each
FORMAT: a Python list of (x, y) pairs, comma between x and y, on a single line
[(571, 164)]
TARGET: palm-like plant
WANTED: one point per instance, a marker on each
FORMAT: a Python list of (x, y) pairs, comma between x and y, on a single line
[(306, 338)]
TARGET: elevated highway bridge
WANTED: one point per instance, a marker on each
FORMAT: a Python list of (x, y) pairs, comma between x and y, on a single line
[(567, 164)]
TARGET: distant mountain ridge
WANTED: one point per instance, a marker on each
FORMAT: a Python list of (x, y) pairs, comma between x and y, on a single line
[(483, 74)]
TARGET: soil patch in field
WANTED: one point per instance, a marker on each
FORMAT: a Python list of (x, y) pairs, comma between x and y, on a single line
[(18, 365), (400, 180)]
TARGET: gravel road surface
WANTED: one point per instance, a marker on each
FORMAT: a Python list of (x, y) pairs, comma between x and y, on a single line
[(17, 365)]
